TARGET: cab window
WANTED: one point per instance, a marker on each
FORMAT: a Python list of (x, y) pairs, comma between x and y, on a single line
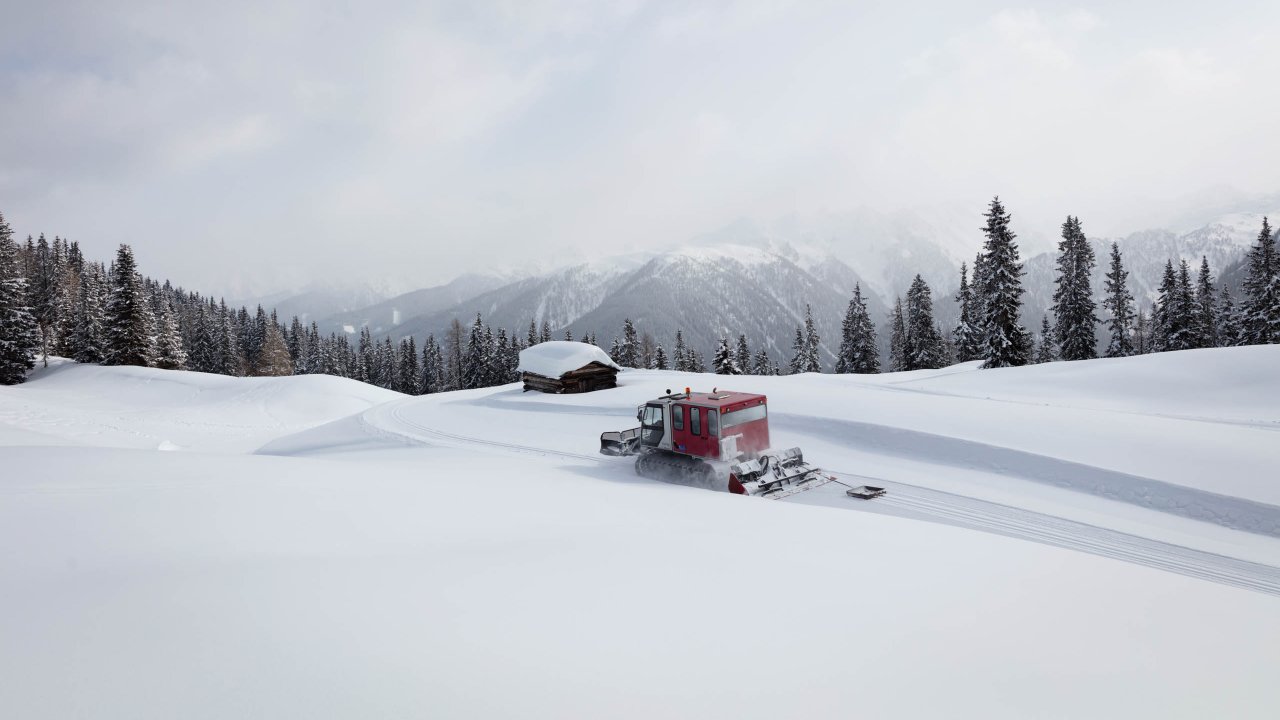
[(677, 417), (695, 420), (713, 423)]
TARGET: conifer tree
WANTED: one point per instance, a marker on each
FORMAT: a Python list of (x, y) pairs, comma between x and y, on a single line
[(129, 338), (1073, 304), (762, 365), (680, 357), (897, 338), (724, 362), (1228, 319), (743, 354), (1260, 311), (545, 336), (568, 335), (19, 332), (1045, 352), (696, 362), (1181, 314), (1143, 332), (798, 350), (85, 341), (1164, 318), (968, 334), (660, 361), (1007, 342), (1119, 303), (923, 348), (629, 349), (1208, 324), (859, 352), (812, 342), (170, 355), (432, 377), (410, 373), (532, 338)]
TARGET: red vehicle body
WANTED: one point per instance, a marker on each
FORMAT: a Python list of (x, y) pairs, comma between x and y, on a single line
[(719, 440), (720, 426)]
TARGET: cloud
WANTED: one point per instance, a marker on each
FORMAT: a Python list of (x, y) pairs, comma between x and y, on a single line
[(340, 139)]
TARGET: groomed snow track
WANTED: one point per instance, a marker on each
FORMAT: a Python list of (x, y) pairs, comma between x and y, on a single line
[(923, 503)]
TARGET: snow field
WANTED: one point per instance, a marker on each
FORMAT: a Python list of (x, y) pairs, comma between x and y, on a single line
[(321, 548)]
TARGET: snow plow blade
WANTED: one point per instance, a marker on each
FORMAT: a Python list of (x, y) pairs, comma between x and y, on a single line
[(617, 444), (865, 492), (777, 475)]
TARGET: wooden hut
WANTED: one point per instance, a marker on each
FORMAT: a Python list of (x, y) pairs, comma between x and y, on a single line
[(562, 366)]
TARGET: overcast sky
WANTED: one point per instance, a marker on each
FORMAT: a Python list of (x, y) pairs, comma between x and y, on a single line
[(316, 139)]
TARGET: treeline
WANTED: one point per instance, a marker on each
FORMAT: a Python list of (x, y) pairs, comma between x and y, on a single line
[(54, 301)]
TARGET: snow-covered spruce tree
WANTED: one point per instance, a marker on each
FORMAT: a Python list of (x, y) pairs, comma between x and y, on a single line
[(680, 357), (968, 336), (761, 365), (129, 339), (1182, 314), (1260, 311), (1228, 319), (615, 349), (697, 363), (1208, 324), (410, 369), (1118, 302), (797, 353), (476, 357), (724, 362), (19, 333), (743, 354), (568, 335), (43, 290), (229, 360), (897, 338), (431, 379), (1143, 334), (1007, 342), (660, 361), (806, 346), (1164, 311), (629, 347), (545, 335), (859, 351), (977, 283), (85, 341), (812, 342), (1044, 352), (170, 355), (1073, 305), (532, 338), (923, 347)]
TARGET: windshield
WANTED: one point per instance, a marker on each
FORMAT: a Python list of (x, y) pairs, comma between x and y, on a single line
[(651, 424)]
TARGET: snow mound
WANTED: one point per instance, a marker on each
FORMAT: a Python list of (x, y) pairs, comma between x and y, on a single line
[(138, 407), (557, 357)]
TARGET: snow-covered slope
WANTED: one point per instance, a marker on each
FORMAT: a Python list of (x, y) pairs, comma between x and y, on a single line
[(472, 555), (73, 404)]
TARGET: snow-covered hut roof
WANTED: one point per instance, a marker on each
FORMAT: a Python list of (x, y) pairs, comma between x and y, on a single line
[(557, 357)]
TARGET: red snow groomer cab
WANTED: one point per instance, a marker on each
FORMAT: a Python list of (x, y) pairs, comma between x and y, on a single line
[(718, 440)]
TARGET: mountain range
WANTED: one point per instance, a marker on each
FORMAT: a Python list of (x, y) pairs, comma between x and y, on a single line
[(757, 280)]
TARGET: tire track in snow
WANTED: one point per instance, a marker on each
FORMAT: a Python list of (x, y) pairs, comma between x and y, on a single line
[(918, 502), (925, 503)]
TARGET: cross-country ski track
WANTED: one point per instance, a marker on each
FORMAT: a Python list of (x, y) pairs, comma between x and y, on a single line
[(907, 500)]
